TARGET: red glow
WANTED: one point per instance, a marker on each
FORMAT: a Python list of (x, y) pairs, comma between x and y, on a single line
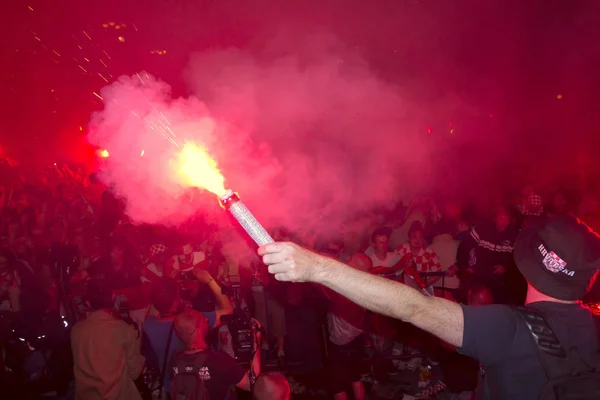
[(429, 130)]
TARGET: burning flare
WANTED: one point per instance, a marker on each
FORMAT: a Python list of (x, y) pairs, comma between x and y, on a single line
[(196, 168)]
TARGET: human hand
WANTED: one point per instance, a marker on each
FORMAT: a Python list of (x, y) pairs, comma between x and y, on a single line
[(452, 270), (202, 275), (499, 269), (290, 262)]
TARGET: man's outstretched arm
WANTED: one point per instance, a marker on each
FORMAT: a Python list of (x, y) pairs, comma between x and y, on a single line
[(442, 318)]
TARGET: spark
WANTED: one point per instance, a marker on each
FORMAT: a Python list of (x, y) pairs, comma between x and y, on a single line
[(174, 142), (106, 66), (106, 54), (88, 36), (83, 69), (105, 26), (56, 52), (559, 96), (80, 48), (37, 38), (86, 59), (139, 77), (104, 154), (121, 39), (135, 27), (172, 133), (102, 76), (30, 8), (165, 118), (150, 125), (142, 155), (81, 128), (111, 23), (98, 96), (118, 27)]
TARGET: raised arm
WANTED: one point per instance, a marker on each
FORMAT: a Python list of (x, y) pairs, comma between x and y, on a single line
[(223, 305), (442, 318)]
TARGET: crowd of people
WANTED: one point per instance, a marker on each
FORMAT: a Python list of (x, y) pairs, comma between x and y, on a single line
[(151, 311)]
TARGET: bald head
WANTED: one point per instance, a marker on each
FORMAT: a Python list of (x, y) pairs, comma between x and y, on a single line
[(272, 386), (361, 262), (479, 295)]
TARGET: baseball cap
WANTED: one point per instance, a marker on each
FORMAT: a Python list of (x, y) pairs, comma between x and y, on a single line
[(559, 257)]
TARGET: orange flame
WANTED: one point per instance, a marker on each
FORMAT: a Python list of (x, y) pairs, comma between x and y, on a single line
[(198, 169)]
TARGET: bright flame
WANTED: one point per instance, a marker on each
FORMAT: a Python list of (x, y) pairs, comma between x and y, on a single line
[(142, 154), (198, 169), (104, 154)]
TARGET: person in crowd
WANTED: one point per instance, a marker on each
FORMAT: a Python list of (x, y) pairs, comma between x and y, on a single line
[(445, 247), (485, 256), (117, 269), (416, 253), (559, 205), (559, 258), (196, 368), (106, 351), (184, 261), (268, 296), (212, 247), (165, 304), (531, 203), (381, 255), (479, 295), (154, 268), (345, 323), (589, 207), (269, 300), (463, 228), (418, 210), (158, 325), (213, 311), (272, 386)]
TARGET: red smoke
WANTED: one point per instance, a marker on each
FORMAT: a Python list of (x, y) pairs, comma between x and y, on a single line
[(307, 139)]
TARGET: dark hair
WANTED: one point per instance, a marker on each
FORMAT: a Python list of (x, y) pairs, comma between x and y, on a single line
[(323, 241), (443, 227), (387, 232), (99, 295), (416, 226), (163, 295)]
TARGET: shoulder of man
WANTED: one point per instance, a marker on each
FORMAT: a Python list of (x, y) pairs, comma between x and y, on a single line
[(489, 332)]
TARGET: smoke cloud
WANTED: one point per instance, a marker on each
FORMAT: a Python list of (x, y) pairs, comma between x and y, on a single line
[(307, 138)]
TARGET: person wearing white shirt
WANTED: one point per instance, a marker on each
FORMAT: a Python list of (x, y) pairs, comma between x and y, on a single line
[(381, 256)]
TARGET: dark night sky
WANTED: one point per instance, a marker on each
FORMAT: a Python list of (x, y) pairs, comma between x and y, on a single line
[(508, 58)]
